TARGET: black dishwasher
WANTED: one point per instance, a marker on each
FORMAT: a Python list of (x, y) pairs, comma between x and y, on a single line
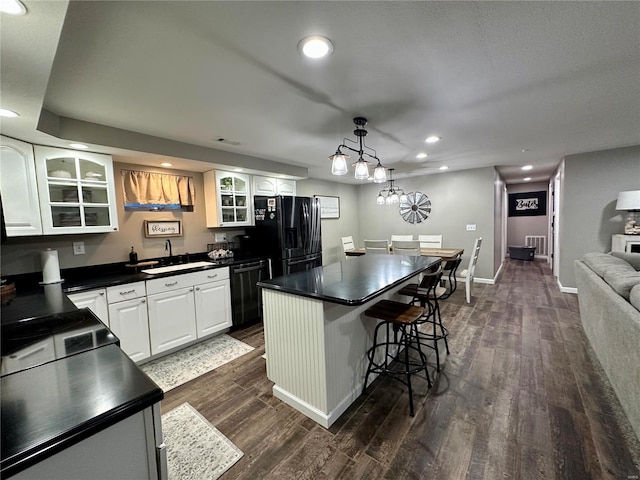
[(246, 300)]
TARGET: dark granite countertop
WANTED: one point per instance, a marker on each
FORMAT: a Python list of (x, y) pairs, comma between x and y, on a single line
[(53, 406), (354, 281)]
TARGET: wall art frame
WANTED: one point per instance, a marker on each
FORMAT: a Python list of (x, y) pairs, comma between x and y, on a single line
[(162, 228), (329, 206)]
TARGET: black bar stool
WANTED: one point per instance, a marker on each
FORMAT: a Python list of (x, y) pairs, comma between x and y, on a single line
[(426, 293), (402, 318)]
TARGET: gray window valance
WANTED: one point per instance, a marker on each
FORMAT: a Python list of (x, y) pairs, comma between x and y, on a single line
[(143, 189)]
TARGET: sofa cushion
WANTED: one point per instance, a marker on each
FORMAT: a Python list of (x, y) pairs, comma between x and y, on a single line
[(634, 296), (622, 282), (632, 259), (600, 263)]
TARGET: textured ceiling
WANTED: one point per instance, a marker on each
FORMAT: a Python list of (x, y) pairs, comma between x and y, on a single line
[(490, 78)]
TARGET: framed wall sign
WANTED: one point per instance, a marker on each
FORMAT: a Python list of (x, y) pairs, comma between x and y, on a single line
[(329, 206), (162, 228), (527, 204)]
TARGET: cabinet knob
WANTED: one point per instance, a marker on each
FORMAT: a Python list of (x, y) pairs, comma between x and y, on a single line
[(191, 289), (197, 288), (143, 301), (101, 293)]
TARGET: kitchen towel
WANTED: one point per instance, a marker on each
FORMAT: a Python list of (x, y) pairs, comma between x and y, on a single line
[(50, 266)]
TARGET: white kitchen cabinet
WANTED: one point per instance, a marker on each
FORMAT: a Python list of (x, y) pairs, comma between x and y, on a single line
[(130, 323), (172, 318), (213, 303), (76, 191), (128, 318), (228, 199), (19, 188), (625, 243), (269, 186), (95, 300), (131, 448)]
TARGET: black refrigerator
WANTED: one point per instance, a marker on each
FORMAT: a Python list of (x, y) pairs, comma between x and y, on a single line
[(287, 229)]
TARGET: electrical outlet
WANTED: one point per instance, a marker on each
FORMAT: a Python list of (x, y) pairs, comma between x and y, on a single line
[(471, 228), (78, 248), (221, 237)]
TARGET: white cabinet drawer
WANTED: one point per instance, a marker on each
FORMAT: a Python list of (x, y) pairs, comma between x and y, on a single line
[(165, 284), (127, 291), (210, 275)]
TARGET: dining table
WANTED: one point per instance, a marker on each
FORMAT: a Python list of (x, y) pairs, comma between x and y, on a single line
[(444, 253)]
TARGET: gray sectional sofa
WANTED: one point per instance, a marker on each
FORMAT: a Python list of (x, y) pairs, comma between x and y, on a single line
[(609, 299)]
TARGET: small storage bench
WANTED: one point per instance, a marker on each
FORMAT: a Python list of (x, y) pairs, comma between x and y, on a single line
[(521, 253)]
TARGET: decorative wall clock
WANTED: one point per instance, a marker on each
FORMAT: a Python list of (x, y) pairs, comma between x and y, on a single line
[(416, 209)]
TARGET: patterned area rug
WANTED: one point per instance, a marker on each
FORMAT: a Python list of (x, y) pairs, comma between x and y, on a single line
[(180, 367), (196, 450)]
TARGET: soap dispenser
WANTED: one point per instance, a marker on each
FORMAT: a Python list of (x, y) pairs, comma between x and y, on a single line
[(133, 257)]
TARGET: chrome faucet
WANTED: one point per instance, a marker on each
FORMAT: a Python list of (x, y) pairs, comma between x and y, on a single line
[(167, 247)]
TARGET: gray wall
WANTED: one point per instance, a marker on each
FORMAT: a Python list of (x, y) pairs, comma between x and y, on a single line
[(589, 192), (519, 227), (457, 199)]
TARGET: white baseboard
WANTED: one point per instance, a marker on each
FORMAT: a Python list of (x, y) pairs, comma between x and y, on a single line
[(566, 289)]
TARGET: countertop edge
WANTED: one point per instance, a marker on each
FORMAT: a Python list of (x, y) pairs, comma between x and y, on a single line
[(352, 302)]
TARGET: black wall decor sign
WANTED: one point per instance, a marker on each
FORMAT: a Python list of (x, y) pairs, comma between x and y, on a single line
[(527, 204)]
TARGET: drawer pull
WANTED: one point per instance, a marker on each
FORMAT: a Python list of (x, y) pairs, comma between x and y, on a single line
[(212, 276), (170, 284), (128, 292)]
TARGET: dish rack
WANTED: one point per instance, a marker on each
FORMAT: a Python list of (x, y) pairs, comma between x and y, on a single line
[(221, 250)]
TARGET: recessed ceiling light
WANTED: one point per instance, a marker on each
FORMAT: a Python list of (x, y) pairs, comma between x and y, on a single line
[(527, 179), (12, 7), (80, 146), (432, 139), (8, 113), (525, 150), (166, 164), (444, 167), (422, 155), (237, 169), (527, 167), (315, 46)]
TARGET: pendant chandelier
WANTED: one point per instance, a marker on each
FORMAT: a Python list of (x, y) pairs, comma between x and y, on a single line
[(391, 193), (339, 159)]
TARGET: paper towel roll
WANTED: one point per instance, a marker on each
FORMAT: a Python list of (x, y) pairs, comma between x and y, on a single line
[(50, 266)]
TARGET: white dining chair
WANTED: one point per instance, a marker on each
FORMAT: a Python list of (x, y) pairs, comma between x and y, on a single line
[(468, 273), (400, 247), (347, 243), (430, 241), (376, 246), (401, 238)]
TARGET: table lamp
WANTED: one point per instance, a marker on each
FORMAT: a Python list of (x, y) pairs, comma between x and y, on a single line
[(630, 201)]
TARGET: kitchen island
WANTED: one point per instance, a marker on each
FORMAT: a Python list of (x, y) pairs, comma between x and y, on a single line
[(316, 333)]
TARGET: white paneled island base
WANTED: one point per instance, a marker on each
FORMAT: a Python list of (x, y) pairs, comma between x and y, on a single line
[(316, 348)]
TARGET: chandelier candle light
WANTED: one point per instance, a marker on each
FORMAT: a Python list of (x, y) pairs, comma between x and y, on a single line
[(391, 193), (339, 159)]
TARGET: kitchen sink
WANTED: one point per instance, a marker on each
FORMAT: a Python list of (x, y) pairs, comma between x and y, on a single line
[(175, 268)]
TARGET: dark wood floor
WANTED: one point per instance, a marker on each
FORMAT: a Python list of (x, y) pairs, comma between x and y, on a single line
[(519, 397)]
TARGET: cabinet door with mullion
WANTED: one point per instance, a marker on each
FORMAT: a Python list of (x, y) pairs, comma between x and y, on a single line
[(76, 190)]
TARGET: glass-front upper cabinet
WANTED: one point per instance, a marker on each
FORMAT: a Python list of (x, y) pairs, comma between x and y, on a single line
[(227, 199), (77, 191)]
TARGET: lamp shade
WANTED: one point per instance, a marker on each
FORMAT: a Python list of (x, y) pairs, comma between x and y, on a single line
[(629, 200)]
